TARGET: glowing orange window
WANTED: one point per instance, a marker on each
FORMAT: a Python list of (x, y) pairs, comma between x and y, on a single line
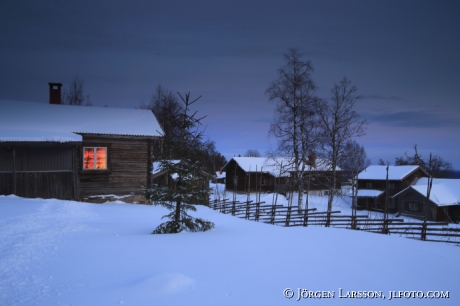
[(94, 158)]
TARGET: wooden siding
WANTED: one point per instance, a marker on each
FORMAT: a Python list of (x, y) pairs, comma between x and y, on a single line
[(394, 186), (37, 170), (435, 213), (246, 179), (128, 168), (6, 183), (45, 185), (54, 170)]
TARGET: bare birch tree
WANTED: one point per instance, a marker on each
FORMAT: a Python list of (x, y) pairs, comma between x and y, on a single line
[(354, 159), (436, 166), (167, 110), (339, 124), (295, 120), (75, 95)]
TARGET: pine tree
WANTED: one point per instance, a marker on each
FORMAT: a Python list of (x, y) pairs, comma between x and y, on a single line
[(188, 189)]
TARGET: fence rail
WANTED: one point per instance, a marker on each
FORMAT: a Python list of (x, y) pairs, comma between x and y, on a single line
[(291, 216)]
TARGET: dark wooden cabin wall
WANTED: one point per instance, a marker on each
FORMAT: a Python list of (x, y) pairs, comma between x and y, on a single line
[(128, 170), (45, 185), (39, 171), (244, 179)]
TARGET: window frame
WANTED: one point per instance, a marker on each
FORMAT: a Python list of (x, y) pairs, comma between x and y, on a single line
[(263, 181), (95, 158), (413, 206)]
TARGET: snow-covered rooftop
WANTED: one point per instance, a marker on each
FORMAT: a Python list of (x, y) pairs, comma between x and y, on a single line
[(369, 193), (220, 175), (157, 168), (30, 121), (380, 172), (273, 165), (444, 192)]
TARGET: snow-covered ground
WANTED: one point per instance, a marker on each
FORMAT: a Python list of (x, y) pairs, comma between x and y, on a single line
[(55, 252)]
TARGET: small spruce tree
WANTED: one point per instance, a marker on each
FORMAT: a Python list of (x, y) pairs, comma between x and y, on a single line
[(188, 188)]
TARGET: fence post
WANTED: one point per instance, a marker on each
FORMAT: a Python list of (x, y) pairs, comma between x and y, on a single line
[(272, 217), (257, 211), (305, 216), (288, 216), (247, 210)]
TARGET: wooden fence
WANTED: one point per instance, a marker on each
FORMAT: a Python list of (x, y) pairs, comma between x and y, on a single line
[(290, 216)]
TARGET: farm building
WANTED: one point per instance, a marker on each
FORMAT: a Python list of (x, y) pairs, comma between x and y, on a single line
[(162, 178), (317, 176), (251, 174), (263, 174), (219, 177), (373, 189), (444, 203), (73, 152)]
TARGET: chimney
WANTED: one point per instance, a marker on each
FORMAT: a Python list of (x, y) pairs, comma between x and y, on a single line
[(55, 93)]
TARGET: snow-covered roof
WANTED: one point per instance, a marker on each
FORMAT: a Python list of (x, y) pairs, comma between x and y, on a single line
[(30, 121), (369, 193), (444, 192), (220, 175), (156, 165), (273, 165), (380, 172)]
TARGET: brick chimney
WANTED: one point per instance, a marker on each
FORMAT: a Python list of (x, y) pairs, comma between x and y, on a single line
[(55, 93)]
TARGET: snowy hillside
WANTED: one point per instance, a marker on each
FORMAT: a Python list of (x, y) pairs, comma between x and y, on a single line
[(68, 253)]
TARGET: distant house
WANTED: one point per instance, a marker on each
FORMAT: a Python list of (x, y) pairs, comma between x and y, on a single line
[(318, 176), (73, 152), (444, 204), (243, 172), (220, 177), (372, 185), (263, 174), (162, 178)]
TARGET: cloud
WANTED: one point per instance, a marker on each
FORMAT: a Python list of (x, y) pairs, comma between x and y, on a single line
[(419, 119), (382, 97)]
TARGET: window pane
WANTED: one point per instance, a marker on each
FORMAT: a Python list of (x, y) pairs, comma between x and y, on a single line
[(101, 158), (88, 158)]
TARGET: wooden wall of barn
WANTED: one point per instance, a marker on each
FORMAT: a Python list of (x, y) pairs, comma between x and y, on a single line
[(435, 213), (129, 164), (399, 185), (245, 179), (394, 187), (43, 170)]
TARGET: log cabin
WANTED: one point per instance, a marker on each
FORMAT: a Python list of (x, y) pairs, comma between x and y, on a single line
[(75, 152), (162, 178), (443, 204), (250, 174), (373, 188), (261, 174)]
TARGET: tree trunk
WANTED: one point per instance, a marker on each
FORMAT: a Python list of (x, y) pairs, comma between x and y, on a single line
[(331, 194), (177, 212)]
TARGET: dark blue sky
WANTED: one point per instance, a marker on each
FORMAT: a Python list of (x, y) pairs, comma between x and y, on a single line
[(403, 56)]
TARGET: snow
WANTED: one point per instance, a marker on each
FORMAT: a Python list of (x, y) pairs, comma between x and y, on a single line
[(220, 175), (28, 121), (380, 172), (273, 165), (156, 165), (55, 252), (369, 193), (444, 192)]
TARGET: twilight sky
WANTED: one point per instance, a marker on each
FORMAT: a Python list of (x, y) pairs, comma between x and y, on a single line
[(403, 56)]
